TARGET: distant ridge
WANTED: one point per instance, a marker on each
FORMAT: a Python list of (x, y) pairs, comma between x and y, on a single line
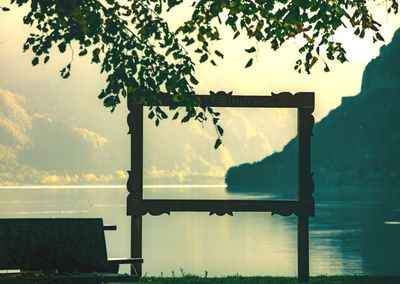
[(358, 143), (112, 186)]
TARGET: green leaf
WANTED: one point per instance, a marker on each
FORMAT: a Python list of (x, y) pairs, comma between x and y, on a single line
[(251, 50), (186, 118), (46, 59), (83, 52), (158, 9), (218, 53), (66, 72), (314, 60), (203, 58), (249, 63), (218, 143), (162, 113), (151, 115), (175, 116), (102, 94), (62, 47), (220, 130), (5, 9), (190, 42), (95, 55), (35, 61), (194, 80), (379, 37)]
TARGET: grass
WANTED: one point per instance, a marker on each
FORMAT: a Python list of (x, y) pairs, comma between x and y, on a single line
[(274, 280)]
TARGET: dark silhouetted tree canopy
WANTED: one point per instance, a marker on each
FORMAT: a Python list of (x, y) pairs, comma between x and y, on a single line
[(142, 56)]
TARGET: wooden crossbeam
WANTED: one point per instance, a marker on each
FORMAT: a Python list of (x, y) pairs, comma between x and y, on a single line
[(219, 207)]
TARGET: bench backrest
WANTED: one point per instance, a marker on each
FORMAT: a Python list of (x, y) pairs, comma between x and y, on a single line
[(47, 244)]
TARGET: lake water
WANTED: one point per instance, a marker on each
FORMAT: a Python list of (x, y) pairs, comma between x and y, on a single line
[(355, 231)]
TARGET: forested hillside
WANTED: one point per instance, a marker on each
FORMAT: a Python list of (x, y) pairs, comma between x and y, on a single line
[(356, 144)]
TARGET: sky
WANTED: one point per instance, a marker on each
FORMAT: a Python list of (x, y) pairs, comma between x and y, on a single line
[(249, 135)]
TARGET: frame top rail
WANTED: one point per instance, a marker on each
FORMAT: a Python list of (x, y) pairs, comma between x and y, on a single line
[(223, 99)]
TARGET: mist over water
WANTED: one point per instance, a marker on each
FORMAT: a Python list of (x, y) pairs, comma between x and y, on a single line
[(355, 230)]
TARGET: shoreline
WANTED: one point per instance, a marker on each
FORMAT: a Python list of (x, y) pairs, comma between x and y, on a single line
[(346, 279)]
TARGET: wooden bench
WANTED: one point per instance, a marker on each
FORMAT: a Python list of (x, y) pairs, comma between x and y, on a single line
[(58, 251)]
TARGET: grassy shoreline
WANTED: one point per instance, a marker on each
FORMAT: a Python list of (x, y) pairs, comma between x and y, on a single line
[(276, 280)]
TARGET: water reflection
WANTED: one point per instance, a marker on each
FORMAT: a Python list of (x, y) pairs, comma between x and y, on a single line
[(356, 230)]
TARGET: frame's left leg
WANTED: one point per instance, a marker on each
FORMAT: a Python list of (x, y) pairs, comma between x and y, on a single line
[(135, 181)]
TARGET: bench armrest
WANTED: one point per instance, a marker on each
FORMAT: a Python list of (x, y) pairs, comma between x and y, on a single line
[(125, 260), (109, 227)]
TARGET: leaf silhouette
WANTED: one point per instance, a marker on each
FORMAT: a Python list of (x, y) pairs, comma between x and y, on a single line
[(249, 63), (218, 143)]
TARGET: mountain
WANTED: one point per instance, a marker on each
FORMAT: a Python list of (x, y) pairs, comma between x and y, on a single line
[(15, 124), (38, 148), (358, 143)]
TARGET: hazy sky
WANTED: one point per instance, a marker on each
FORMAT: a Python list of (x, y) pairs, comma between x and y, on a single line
[(250, 135)]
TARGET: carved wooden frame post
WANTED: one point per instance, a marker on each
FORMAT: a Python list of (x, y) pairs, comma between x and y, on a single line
[(303, 207)]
